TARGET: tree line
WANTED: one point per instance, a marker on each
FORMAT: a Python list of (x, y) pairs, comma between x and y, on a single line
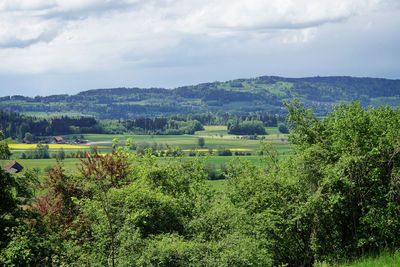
[(262, 94), (17, 126), (28, 128)]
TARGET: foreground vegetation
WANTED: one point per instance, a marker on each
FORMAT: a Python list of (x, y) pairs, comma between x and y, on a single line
[(334, 199)]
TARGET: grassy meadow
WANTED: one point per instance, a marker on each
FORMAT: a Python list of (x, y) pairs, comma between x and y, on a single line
[(216, 137), (384, 259), (71, 164)]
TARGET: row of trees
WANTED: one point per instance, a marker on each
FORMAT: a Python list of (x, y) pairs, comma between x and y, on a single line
[(161, 126), (21, 127), (224, 118), (30, 129)]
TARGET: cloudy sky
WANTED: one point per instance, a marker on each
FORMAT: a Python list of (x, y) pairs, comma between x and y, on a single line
[(66, 46)]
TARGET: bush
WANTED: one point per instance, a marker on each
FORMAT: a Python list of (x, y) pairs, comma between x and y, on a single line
[(40, 152), (212, 172), (335, 194), (224, 152), (201, 141), (283, 129)]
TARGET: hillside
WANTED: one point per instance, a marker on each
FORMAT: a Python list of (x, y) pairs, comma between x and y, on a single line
[(262, 94)]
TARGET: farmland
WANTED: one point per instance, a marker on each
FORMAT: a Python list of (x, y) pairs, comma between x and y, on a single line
[(215, 137)]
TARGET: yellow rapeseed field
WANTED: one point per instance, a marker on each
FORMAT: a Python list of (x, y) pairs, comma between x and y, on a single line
[(51, 146)]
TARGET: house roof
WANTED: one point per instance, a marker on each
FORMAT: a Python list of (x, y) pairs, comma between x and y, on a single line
[(13, 167), (58, 138)]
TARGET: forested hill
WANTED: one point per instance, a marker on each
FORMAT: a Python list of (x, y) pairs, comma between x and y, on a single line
[(262, 94)]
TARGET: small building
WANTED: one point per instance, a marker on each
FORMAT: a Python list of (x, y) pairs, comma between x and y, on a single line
[(13, 167), (58, 140), (80, 141)]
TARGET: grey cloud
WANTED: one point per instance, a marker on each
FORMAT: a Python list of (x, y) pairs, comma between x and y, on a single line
[(282, 25), (90, 10), (14, 42), (16, 7), (58, 18)]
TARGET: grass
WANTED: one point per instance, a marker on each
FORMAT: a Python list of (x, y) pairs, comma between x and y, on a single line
[(218, 185), (187, 143), (42, 164), (384, 259), (274, 132), (212, 130), (71, 164), (183, 141), (217, 161), (215, 136)]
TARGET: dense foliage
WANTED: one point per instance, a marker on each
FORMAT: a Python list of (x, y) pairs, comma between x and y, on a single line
[(336, 197), (263, 94), (20, 245), (349, 165), (21, 127), (246, 127)]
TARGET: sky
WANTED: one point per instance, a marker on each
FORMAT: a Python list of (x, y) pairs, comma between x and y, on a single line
[(67, 46)]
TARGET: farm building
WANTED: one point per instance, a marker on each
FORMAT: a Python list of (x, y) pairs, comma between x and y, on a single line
[(58, 140), (13, 167)]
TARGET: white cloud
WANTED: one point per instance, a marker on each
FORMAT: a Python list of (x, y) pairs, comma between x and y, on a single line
[(80, 35)]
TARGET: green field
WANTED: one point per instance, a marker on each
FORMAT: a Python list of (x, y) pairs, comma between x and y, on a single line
[(212, 140), (71, 164), (43, 164), (213, 130), (216, 137)]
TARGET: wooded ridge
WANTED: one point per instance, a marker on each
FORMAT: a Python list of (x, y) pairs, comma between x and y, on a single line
[(262, 94)]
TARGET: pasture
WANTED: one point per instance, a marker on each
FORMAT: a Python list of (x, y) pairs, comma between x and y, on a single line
[(71, 164), (215, 137)]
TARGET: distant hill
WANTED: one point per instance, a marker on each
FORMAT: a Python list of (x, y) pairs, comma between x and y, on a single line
[(262, 94)]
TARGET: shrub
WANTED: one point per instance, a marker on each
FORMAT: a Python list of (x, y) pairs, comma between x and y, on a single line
[(336, 197), (283, 129), (224, 152)]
